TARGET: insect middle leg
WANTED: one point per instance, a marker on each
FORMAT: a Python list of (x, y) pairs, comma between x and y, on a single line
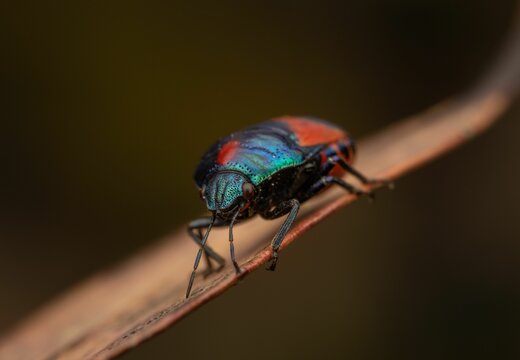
[(195, 230), (290, 206)]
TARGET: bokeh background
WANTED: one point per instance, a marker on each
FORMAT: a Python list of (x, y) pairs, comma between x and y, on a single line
[(107, 106)]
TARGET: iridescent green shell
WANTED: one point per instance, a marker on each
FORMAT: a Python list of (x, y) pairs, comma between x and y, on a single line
[(257, 152)]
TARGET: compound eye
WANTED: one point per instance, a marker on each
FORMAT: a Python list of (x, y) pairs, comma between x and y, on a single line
[(248, 190), (201, 193)]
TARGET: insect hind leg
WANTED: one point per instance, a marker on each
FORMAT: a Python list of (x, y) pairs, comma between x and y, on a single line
[(327, 180), (338, 154), (365, 180)]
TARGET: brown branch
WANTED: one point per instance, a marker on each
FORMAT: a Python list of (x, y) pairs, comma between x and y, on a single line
[(118, 309)]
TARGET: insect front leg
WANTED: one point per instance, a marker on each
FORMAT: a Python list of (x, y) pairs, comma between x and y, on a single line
[(195, 230), (291, 207)]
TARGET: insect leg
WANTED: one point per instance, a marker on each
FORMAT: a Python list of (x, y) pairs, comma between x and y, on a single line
[(209, 265), (333, 153), (291, 207), (209, 253), (367, 181), (231, 246), (328, 180), (199, 255)]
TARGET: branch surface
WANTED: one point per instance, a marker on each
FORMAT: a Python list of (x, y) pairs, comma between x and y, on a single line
[(121, 307)]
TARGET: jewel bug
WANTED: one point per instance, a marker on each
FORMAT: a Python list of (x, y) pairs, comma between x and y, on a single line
[(269, 169)]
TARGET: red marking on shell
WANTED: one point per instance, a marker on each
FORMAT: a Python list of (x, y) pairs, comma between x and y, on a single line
[(323, 155), (227, 152), (310, 132), (350, 157), (337, 170), (338, 152)]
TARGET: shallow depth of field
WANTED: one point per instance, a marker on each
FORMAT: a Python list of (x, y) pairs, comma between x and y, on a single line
[(107, 108)]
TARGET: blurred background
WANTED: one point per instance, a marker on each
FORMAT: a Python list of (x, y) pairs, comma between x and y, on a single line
[(106, 108)]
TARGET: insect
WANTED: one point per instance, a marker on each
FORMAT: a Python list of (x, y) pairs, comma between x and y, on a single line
[(269, 169)]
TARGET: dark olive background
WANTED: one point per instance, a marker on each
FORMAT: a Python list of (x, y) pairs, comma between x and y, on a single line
[(107, 106)]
